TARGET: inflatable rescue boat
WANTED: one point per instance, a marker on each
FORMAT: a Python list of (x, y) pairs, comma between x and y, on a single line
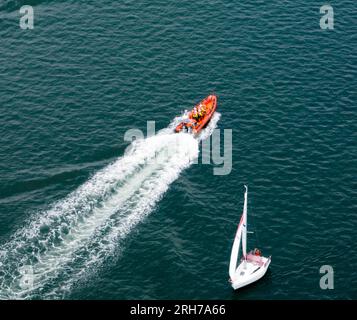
[(199, 116)]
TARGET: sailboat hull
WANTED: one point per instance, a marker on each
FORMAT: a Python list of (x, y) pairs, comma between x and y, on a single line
[(249, 272)]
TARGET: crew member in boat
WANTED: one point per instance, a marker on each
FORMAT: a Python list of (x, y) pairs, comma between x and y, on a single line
[(199, 111), (257, 252), (195, 114)]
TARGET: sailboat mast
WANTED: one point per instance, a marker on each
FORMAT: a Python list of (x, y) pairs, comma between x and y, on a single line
[(244, 230)]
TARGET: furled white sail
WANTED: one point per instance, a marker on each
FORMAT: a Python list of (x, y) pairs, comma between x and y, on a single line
[(235, 250), (240, 235), (244, 229)]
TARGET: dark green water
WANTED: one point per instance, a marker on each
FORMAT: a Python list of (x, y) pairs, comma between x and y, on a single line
[(89, 71)]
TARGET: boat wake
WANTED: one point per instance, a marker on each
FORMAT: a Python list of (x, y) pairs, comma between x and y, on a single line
[(71, 240)]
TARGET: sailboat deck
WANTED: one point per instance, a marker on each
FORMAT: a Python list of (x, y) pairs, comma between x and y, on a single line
[(258, 260)]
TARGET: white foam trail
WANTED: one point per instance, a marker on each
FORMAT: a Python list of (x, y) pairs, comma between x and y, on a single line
[(78, 233), (204, 134)]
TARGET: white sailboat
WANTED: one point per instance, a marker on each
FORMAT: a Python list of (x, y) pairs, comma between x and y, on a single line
[(252, 266)]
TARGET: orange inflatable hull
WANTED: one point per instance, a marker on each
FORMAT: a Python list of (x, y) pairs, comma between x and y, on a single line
[(210, 104)]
